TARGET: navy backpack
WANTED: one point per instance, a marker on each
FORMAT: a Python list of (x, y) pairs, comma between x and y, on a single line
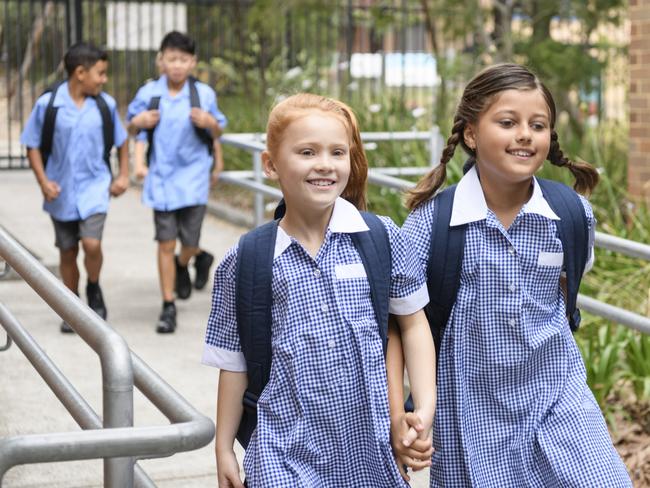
[(254, 300), (448, 243), (195, 101), (47, 132)]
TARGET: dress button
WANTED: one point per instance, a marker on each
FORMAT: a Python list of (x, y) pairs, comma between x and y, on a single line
[(511, 250), (512, 322), (331, 343), (324, 308), (317, 273), (512, 288)]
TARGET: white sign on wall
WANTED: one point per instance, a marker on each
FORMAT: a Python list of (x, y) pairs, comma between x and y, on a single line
[(141, 26)]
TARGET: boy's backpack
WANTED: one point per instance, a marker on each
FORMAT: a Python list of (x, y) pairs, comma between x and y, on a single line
[(47, 132), (448, 243), (195, 101), (254, 300)]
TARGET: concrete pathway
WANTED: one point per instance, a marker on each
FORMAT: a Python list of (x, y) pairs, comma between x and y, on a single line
[(130, 284)]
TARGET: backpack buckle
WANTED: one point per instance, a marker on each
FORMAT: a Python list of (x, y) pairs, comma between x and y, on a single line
[(250, 401), (574, 320)]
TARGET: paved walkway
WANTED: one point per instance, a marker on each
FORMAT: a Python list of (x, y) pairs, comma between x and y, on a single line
[(130, 283)]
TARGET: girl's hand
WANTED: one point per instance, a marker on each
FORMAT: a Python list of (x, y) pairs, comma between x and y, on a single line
[(411, 448), (228, 470)]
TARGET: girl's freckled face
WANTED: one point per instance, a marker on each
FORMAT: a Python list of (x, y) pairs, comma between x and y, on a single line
[(312, 163)]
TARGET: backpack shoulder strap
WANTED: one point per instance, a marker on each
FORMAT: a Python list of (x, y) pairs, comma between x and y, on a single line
[(573, 231), (107, 128), (47, 131), (154, 104), (444, 264), (374, 249), (254, 300), (195, 102)]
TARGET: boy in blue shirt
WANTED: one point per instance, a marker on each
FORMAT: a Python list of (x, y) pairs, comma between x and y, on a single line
[(177, 183), (74, 171)]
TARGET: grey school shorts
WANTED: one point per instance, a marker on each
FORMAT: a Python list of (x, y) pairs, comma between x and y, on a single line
[(183, 223), (67, 234)]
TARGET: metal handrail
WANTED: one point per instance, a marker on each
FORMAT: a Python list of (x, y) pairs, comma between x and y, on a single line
[(378, 176), (121, 368)]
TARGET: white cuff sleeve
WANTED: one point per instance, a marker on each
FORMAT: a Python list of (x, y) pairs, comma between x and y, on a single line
[(410, 304), (223, 359)]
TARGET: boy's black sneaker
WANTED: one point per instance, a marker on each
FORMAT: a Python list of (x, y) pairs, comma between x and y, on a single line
[(65, 328), (183, 285), (167, 320), (202, 263), (96, 299)]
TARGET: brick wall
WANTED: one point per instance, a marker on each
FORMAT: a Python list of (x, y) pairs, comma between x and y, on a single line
[(639, 156)]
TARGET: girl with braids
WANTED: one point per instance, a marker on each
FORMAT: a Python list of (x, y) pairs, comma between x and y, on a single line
[(514, 407), (323, 417)]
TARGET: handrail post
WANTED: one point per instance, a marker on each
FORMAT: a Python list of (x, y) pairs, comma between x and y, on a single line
[(434, 146), (114, 354)]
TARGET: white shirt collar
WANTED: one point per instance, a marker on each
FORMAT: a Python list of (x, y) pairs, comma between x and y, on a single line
[(345, 219), (470, 206)]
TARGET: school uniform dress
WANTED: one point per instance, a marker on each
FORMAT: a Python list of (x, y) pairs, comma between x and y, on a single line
[(77, 160), (179, 169), (514, 408), (323, 418)]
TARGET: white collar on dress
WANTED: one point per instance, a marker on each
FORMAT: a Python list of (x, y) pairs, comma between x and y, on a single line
[(469, 201), (345, 219)]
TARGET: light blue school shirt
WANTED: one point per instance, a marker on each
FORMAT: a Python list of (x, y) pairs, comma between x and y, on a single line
[(77, 160), (514, 408), (179, 169), (323, 417)]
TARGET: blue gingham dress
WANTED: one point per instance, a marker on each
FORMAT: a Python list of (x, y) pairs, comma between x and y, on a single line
[(323, 418), (514, 408)]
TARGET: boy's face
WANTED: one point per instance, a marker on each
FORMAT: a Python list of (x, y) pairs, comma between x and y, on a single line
[(176, 64), (92, 79)]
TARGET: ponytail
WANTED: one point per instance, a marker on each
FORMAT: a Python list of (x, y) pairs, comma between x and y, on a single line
[(585, 174), (433, 180)]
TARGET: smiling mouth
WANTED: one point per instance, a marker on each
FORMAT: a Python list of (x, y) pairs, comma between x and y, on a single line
[(322, 183), (522, 153)]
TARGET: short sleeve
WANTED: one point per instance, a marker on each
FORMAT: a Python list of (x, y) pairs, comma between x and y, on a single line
[(139, 103), (119, 134), (31, 136), (591, 222), (408, 287), (417, 228), (213, 109), (222, 348)]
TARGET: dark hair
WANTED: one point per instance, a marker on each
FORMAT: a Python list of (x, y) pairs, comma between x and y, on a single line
[(477, 97), (178, 40), (83, 54)]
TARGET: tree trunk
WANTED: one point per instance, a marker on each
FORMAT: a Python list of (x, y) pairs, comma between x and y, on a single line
[(38, 26)]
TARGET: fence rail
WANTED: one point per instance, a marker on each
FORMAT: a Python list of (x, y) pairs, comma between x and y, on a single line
[(253, 181), (117, 441)]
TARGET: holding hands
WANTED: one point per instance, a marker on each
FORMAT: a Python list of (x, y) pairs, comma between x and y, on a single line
[(411, 441)]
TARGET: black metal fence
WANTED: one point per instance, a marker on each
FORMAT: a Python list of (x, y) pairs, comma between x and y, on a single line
[(338, 47)]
